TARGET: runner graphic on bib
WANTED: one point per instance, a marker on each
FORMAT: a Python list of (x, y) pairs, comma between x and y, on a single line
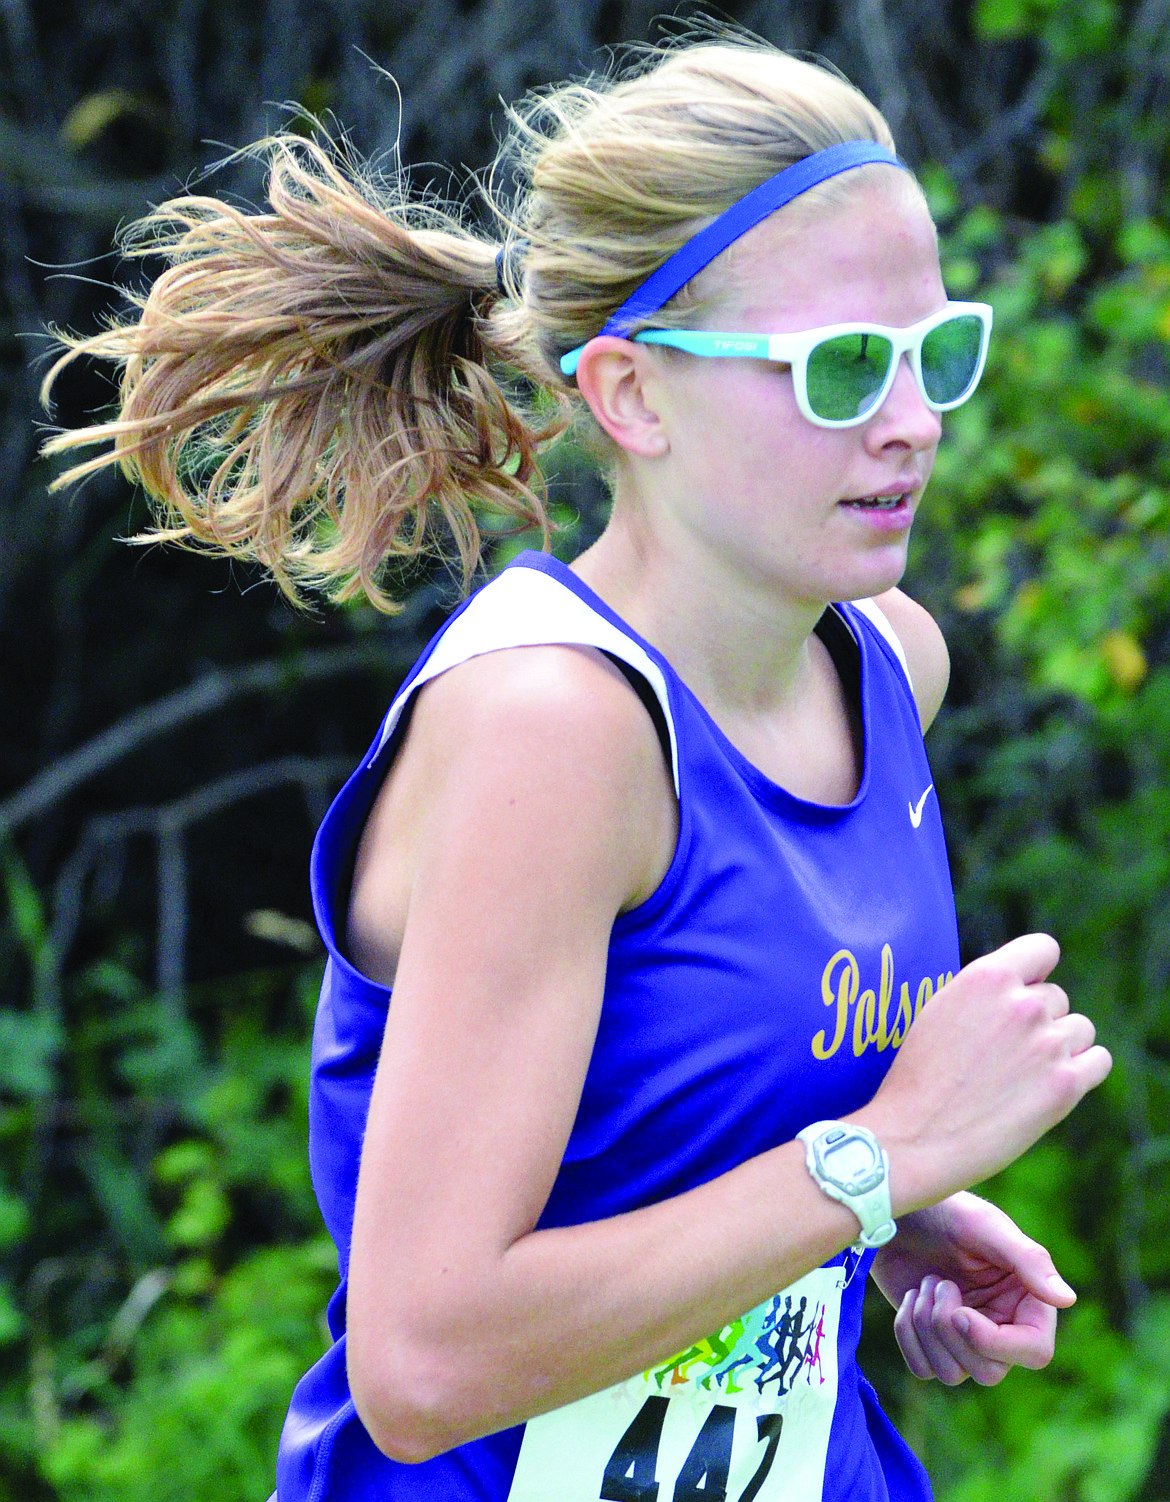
[(741, 1416)]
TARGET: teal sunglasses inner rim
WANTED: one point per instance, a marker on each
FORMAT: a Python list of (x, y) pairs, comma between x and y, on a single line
[(842, 373)]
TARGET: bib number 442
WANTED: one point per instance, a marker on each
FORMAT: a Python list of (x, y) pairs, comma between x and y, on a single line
[(631, 1474)]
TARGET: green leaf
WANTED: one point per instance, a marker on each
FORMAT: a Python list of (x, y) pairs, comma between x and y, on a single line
[(13, 1218), (996, 20), (24, 904), (29, 1043)]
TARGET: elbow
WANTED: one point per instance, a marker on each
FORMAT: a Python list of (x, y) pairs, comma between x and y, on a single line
[(403, 1438), (406, 1432), (413, 1411)]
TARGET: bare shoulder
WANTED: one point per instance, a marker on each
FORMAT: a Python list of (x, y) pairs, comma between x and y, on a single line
[(925, 649), (559, 716), (535, 765)]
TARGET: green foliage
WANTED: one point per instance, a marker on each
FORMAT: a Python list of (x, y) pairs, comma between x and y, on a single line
[(1072, 31), (178, 1386), (1044, 546), (211, 1380)]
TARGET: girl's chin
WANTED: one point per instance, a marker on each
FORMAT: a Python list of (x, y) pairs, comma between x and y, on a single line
[(872, 575)]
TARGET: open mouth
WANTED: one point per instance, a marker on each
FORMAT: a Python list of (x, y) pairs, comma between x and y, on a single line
[(879, 502)]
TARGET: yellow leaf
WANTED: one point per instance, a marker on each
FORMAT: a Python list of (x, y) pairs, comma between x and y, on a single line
[(1055, 152), (279, 928), (1084, 409), (91, 115), (1029, 598), (972, 597), (1025, 462), (1124, 659)]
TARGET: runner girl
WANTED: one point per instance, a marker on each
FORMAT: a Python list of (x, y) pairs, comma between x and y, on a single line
[(647, 847)]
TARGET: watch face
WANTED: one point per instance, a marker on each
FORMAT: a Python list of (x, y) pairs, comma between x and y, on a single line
[(850, 1162)]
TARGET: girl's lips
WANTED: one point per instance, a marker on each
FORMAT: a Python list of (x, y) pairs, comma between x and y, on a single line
[(885, 513)]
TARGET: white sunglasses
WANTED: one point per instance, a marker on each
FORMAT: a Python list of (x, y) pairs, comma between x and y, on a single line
[(843, 373)]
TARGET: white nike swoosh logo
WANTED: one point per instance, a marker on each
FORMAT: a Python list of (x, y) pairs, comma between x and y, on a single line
[(916, 813)]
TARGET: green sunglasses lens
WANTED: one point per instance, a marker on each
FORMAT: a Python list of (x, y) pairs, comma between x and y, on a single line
[(950, 358), (845, 375)]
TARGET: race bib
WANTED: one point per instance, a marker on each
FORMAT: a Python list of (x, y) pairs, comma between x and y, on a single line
[(743, 1416)]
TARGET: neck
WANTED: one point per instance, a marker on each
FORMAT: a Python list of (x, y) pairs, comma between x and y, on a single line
[(738, 641)]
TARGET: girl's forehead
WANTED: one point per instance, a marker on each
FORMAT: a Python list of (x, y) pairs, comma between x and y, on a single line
[(848, 255)]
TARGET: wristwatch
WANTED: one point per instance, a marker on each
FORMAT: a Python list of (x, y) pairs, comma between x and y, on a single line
[(850, 1166)]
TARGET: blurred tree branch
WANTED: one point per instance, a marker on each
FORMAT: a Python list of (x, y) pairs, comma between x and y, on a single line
[(213, 691), (51, 178)]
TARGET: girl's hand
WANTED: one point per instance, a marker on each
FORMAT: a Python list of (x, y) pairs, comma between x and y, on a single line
[(974, 1295), (994, 1061)]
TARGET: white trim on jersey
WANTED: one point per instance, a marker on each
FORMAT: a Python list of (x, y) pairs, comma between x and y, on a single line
[(877, 618), (523, 607)]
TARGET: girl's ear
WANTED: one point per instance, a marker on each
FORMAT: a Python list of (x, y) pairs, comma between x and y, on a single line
[(619, 380)]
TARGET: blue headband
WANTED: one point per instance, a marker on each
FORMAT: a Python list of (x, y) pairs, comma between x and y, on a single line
[(661, 285)]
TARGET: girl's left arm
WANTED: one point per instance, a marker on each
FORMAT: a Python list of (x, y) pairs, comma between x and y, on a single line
[(974, 1295)]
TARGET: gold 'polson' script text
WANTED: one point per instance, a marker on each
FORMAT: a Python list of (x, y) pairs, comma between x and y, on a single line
[(872, 1024)]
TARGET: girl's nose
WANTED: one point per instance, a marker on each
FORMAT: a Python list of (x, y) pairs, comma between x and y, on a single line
[(904, 416)]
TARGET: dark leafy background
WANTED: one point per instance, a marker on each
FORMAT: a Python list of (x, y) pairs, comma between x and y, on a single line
[(172, 730)]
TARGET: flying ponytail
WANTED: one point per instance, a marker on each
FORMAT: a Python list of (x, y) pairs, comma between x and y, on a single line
[(316, 388), (354, 378)]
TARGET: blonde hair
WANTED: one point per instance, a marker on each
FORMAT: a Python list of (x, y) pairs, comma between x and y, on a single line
[(346, 380)]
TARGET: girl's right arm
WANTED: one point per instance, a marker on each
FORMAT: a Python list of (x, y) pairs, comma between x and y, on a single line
[(529, 806)]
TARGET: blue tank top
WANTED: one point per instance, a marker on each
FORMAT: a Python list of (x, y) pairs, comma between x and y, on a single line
[(765, 984)]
